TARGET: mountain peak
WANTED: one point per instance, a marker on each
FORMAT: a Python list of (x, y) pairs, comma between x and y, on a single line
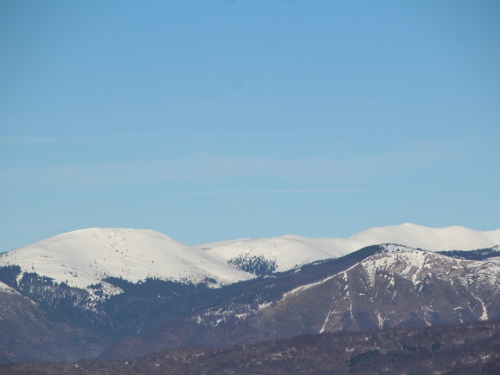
[(85, 257)]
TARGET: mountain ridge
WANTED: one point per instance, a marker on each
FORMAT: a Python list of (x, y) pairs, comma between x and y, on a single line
[(289, 251)]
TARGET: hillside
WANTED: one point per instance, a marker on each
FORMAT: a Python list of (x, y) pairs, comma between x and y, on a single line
[(27, 333), (472, 348)]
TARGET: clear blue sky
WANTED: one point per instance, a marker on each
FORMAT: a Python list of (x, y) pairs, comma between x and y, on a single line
[(215, 120)]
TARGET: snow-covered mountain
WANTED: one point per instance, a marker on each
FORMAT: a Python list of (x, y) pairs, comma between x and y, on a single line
[(93, 277), (85, 257), (433, 239), (289, 251)]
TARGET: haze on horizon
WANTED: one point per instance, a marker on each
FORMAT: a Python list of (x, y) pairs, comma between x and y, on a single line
[(210, 121)]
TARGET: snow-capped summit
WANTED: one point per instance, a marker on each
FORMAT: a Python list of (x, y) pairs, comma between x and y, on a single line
[(85, 257), (289, 251)]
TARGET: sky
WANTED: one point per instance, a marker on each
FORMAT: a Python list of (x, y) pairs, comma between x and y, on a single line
[(217, 120)]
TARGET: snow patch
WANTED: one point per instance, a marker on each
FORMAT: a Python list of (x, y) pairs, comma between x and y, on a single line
[(4, 288), (264, 305)]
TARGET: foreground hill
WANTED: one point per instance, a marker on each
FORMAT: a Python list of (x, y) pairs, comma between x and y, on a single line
[(27, 333), (470, 348)]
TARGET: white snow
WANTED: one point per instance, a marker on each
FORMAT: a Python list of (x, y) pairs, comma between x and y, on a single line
[(307, 286), (87, 256), (410, 265), (4, 288), (379, 320), (434, 239), (242, 316), (326, 321), (484, 315), (264, 305)]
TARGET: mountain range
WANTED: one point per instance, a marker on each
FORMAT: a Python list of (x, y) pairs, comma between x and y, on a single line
[(85, 257), (119, 293)]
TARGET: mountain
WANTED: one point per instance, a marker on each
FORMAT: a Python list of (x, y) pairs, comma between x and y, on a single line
[(87, 257), (289, 251)]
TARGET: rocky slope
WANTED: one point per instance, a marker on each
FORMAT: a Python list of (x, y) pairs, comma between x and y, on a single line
[(408, 288)]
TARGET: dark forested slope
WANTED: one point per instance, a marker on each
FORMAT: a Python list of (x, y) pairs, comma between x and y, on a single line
[(471, 348)]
